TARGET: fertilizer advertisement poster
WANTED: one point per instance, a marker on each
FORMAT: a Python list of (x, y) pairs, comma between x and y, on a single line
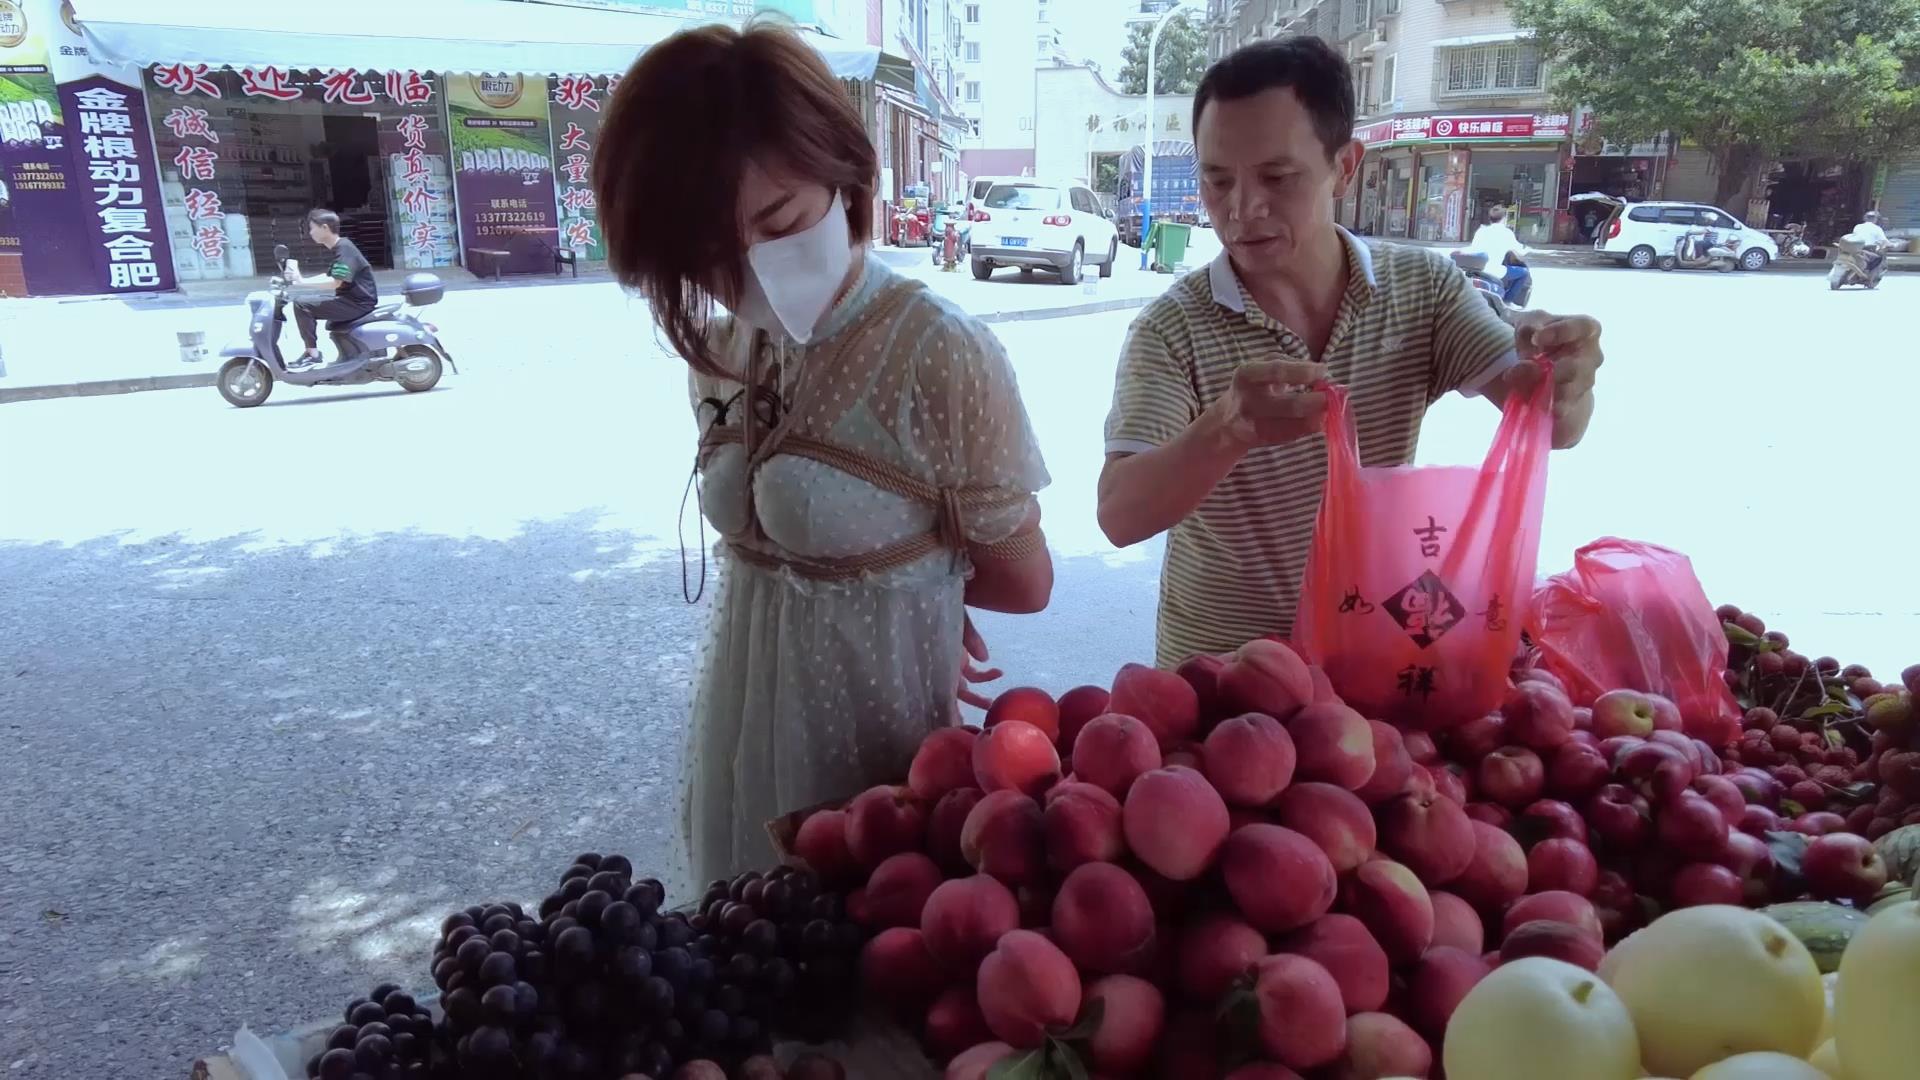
[(502, 145)]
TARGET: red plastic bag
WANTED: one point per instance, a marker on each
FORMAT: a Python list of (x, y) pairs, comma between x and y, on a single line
[(1633, 615), (1418, 579)]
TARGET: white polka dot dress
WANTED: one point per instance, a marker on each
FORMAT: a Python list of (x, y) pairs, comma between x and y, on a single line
[(812, 690)]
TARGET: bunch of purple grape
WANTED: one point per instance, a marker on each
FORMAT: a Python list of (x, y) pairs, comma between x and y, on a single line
[(387, 1036)]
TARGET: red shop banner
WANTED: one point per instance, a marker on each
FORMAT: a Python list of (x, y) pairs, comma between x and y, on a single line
[(1407, 129)]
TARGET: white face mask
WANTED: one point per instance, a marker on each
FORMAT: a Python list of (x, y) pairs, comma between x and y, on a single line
[(792, 281)]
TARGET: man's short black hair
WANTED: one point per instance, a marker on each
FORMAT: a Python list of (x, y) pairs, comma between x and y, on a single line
[(324, 217), (1320, 78)]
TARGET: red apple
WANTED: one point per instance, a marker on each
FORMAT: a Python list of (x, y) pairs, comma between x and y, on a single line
[(1392, 765), (1450, 781), (1655, 771), (1031, 704), (1620, 817), (1613, 748), (1512, 775), (1582, 719), (1722, 793), (1562, 864), (1706, 883), (1758, 821), (1492, 813), (1843, 866), (1751, 859), (1576, 771), (1477, 738), (1455, 924), (1692, 826), (1666, 715), (1539, 716), (1420, 747), (1554, 905), (1686, 746), (1757, 786), (1818, 823), (1622, 712), (1498, 873), (1431, 834), (1078, 706)]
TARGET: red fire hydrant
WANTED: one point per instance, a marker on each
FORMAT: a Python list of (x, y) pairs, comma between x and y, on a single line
[(950, 249)]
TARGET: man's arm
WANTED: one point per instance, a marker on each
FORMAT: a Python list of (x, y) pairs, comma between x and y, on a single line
[(1166, 454), (1572, 344)]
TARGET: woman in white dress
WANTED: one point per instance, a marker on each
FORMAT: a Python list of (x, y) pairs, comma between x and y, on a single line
[(864, 453)]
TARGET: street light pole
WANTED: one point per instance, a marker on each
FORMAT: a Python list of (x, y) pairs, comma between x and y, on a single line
[(1146, 176)]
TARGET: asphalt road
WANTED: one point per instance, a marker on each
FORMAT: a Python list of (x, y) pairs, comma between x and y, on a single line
[(281, 687)]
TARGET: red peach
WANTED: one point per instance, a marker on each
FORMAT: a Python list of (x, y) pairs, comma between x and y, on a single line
[(1498, 873), (1700, 883), (1160, 699), (1492, 813), (1202, 672), (1015, 756), (1102, 919), (1132, 1015), (1576, 771), (1334, 744), (944, 825), (1213, 951), (1381, 1045), (1692, 826), (1006, 836), (1554, 905), (883, 821), (1248, 759), (1613, 747), (1331, 817), (1541, 675), (1323, 687), (1392, 765), (1113, 750), (1027, 987), (1539, 716), (954, 1021), (1078, 707), (1550, 818), (1174, 822), (943, 762), (1455, 924), (1621, 819), (975, 1063), (1265, 676), (1666, 715), (1432, 835), (1512, 776), (1278, 878), (1420, 747), (896, 967), (1342, 945), (1818, 823), (899, 887), (1302, 1018), (1555, 940), (1477, 738), (1757, 820), (1394, 905), (821, 843), (1688, 747), (1450, 780), (1082, 825), (1656, 771), (1029, 704), (1561, 864), (964, 917), (1436, 986), (1843, 866)]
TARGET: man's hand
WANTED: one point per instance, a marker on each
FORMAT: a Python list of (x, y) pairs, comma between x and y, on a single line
[(1271, 402), (1571, 343)]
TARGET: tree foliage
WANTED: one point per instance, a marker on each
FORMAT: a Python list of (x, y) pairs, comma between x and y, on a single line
[(1180, 59), (1748, 80)]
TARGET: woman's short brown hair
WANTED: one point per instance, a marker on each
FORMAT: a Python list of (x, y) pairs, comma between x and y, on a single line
[(678, 133)]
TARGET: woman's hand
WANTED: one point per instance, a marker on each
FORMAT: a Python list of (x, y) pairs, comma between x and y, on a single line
[(973, 647)]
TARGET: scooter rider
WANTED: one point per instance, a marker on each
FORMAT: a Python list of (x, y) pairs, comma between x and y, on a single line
[(1869, 235), (1496, 240), (349, 277)]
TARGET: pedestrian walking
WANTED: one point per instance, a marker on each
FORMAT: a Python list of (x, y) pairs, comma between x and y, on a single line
[(864, 453)]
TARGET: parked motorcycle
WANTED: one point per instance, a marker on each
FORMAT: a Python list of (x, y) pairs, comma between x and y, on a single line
[(1855, 263), (389, 343), (1700, 249)]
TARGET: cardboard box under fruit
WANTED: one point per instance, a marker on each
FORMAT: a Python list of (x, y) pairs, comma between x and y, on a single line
[(875, 1048)]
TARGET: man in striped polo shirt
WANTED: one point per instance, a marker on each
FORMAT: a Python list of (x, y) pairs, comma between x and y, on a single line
[(1215, 427)]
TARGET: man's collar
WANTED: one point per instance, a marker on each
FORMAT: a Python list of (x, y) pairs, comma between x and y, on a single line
[(1225, 283)]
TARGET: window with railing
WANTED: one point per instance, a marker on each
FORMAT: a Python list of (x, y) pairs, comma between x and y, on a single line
[(1491, 69)]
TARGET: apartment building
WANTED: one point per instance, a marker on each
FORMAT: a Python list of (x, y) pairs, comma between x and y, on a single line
[(1002, 44), (1454, 114)]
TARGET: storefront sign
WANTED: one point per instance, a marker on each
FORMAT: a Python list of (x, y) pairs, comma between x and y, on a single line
[(127, 226), (1416, 129), (43, 242), (575, 107), (503, 168)]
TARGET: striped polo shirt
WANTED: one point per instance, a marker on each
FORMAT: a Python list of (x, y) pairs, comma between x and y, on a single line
[(1410, 329)]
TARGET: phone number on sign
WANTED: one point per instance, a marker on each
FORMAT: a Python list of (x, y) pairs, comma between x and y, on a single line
[(512, 218)]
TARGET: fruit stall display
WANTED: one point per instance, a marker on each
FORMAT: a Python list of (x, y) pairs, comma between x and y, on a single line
[(1225, 872)]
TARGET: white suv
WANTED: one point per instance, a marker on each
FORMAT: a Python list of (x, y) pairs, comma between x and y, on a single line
[(1639, 234), (1040, 224)]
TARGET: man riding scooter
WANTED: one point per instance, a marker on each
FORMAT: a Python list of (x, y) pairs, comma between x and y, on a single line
[(1505, 256), (1869, 235), (349, 278)]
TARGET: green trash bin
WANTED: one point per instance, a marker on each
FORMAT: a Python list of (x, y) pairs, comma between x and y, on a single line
[(1167, 241)]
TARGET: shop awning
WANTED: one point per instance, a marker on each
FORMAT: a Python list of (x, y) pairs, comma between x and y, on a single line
[(411, 35)]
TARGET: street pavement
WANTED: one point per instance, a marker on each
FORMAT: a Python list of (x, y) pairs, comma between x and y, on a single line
[(283, 686)]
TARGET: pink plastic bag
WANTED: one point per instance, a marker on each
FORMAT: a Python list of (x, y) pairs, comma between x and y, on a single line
[(1417, 583), (1633, 615)]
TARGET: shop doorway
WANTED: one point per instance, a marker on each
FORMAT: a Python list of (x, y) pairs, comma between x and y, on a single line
[(1528, 185), (350, 179), (1825, 196)]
